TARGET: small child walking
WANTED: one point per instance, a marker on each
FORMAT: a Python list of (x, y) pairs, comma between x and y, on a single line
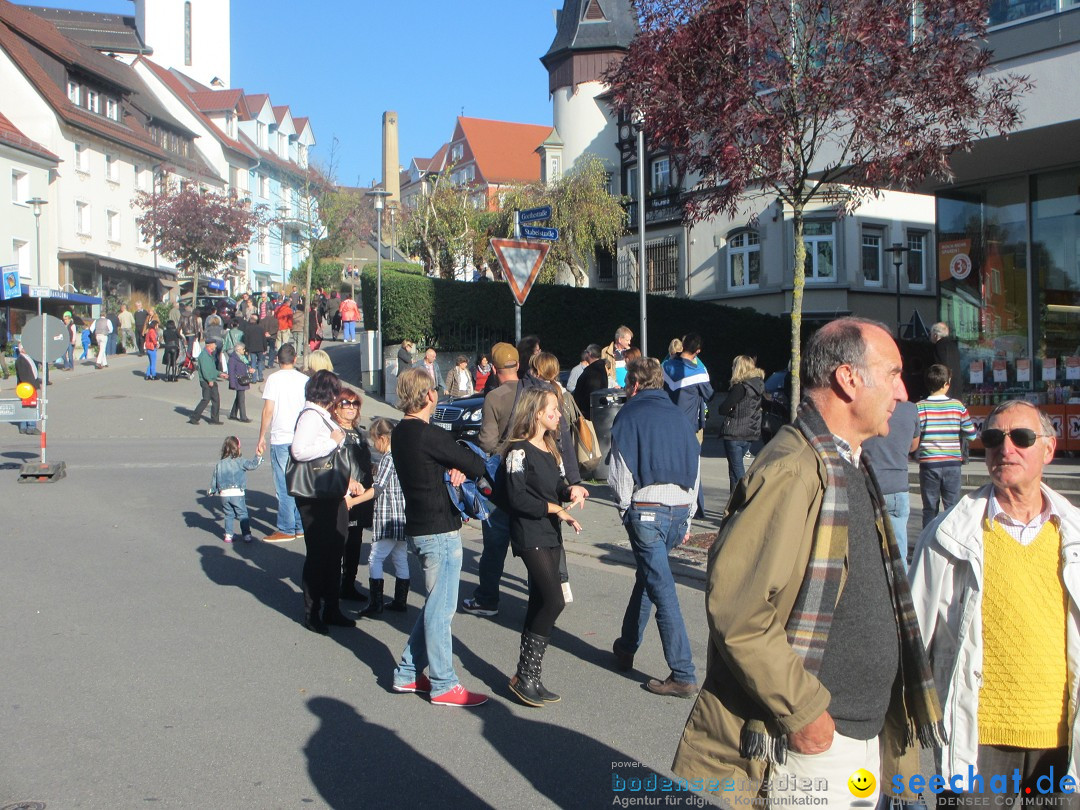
[(230, 482), (942, 420), (388, 531)]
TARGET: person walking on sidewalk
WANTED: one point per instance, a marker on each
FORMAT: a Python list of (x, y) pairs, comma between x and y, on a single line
[(534, 488), (423, 454), (139, 325), (686, 381), (350, 315), (72, 341), (239, 381), (127, 330), (207, 369), (150, 345), (816, 667), (102, 327), (283, 399), (654, 474), (388, 527), (230, 483), (995, 587)]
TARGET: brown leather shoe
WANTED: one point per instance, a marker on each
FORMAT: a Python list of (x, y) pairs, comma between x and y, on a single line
[(624, 661), (670, 686)]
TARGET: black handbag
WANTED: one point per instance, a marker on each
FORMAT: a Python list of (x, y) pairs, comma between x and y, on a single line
[(244, 380), (326, 477)]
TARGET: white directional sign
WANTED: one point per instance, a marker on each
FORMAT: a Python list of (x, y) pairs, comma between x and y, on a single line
[(521, 262)]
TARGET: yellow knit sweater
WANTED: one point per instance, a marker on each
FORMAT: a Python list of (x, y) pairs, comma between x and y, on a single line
[(1024, 697)]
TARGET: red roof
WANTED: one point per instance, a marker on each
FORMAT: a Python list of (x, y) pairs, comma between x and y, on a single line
[(254, 104), (188, 99), (11, 136), (217, 100), (279, 112), (504, 152)]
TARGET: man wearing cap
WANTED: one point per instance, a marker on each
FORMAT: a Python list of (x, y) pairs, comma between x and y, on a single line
[(73, 339), (498, 408), (207, 367)]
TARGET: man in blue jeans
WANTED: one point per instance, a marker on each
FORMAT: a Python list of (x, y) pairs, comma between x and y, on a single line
[(283, 399), (888, 458), (654, 472)]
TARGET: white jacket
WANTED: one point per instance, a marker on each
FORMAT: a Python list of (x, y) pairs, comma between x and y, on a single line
[(946, 586)]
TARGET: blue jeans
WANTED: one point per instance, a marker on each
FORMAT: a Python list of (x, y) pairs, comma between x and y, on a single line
[(69, 357), (151, 363), (735, 449), (235, 508), (940, 485), (288, 516), (349, 329), (430, 644), (654, 531), (110, 346), (256, 365), (496, 530), (898, 507)]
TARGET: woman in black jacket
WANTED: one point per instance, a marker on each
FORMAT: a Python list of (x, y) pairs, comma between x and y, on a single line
[(742, 415), (533, 487), (346, 413)]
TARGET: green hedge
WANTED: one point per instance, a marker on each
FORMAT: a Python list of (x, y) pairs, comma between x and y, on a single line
[(453, 315)]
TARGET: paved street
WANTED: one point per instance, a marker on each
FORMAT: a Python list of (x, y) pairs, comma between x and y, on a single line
[(147, 662)]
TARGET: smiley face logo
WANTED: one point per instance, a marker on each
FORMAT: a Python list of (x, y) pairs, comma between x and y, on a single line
[(861, 783)]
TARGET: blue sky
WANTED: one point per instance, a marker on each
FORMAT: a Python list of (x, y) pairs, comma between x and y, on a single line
[(343, 62)]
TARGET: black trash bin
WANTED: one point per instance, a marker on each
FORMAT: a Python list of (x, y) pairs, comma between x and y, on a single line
[(605, 404)]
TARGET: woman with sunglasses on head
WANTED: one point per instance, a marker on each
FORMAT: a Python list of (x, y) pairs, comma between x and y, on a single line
[(533, 488), (346, 413)]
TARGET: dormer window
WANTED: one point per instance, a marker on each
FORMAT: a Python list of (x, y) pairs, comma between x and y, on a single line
[(74, 93), (260, 135), (230, 125), (112, 109), (93, 101), (457, 152), (301, 155)]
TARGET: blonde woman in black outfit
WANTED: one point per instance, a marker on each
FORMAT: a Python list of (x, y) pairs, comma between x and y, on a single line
[(534, 488)]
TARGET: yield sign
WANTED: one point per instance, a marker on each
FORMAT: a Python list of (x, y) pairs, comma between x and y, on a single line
[(521, 262)]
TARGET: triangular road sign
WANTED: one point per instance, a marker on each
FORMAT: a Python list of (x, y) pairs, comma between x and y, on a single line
[(521, 262)]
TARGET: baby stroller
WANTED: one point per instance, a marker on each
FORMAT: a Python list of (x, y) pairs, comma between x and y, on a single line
[(187, 366)]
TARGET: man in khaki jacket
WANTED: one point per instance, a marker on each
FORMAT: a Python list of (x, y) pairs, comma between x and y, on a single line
[(816, 669)]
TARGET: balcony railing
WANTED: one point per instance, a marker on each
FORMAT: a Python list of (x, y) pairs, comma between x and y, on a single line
[(658, 208)]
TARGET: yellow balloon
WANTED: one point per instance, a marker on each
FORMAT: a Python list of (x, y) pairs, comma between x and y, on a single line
[(24, 390)]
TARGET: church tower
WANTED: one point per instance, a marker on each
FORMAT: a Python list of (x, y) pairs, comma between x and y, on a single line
[(189, 35), (590, 36)]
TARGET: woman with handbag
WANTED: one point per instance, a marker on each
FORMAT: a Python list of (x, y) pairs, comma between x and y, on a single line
[(239, 381), (742, 415), (346, 412), (319, 476), (533, 487), (544, 373)]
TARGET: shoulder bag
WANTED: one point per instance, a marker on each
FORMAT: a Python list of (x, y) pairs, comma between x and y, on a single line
[(586, 443), (326, 477)]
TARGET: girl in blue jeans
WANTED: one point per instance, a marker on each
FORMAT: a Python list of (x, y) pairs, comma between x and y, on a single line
[(230, 482)]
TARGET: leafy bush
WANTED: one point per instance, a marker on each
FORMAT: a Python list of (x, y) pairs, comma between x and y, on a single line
[(453, 315)]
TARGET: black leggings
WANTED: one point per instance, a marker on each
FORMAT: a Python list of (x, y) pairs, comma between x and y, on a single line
[(326, 523), (545, 589)]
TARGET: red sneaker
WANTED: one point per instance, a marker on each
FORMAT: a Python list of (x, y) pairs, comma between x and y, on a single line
[(459, 696), (421, 684)]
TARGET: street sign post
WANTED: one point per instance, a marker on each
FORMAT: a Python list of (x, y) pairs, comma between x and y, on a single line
[(45, 339), (538, 214), (521, 262), (533, 232)]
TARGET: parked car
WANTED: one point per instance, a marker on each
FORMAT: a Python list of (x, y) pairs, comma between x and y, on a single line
[(462, 417), (205, 304)]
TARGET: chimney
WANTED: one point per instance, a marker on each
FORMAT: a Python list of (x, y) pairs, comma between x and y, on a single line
[(391, 173)]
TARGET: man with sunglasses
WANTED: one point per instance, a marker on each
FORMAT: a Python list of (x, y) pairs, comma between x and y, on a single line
[(996, 588)]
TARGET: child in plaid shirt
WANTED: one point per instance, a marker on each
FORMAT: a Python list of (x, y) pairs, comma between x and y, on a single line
[(389, 527)]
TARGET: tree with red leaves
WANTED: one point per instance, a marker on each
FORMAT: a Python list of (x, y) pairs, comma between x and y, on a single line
[(811, 99), (202, 231)]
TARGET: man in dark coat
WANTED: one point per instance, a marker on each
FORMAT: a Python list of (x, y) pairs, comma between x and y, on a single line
[(593, 378)]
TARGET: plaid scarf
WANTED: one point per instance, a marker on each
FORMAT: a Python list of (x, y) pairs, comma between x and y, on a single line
[(811, 615)]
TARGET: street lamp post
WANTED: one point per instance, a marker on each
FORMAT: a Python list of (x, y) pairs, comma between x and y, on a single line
[(380, 202), (898, 250), (643, 281), (36, 203)]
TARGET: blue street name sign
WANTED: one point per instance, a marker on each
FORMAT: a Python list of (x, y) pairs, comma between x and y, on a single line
[(534, 214), (530, 232)]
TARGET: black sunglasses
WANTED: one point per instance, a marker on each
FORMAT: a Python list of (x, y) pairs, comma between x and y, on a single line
[(349, 403), (1021, 437)]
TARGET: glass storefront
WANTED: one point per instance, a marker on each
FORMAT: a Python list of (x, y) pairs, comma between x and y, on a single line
[(1008, 268)]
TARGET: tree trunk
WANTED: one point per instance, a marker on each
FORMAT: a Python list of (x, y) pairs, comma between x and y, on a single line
[(799, 283)]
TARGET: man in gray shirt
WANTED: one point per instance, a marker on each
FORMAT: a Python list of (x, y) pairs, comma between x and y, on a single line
[(888, 458)]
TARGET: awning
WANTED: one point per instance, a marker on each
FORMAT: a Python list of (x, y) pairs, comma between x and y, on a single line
[(25, 301), (107, 264)]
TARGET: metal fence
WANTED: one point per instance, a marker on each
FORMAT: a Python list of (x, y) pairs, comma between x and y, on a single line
[(662, 265), (468, 340)]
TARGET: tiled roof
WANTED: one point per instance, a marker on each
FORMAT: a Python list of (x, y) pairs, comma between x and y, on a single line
[(11, 136), (612, 25), (271, 157), (103, 32), (300, 124), (254, 104), (211, 101), (173, 82), (20, 30), (504, 152), (280, 111)]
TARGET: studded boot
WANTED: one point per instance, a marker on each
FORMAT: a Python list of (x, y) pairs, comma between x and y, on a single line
[(526, 683)]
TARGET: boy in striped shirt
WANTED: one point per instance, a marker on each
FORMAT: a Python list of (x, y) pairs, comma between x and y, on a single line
[(941, 422)]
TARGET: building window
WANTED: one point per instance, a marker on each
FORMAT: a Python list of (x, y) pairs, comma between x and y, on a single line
[(260, 135), (301, 155), (230, 124), (916, 260), (661, 266), (112, 221), (264, 244), (112, 168), (661, 175), (631, 190), (112, 109), (605, 265), (82, 218), (264, 186), (457, 152), (20, 187), (553, 170), (871, 256), (820, 251), (744, 260), (93, 101), (20, 255), (75, 93), (82, 157), (187, 33), (283, 144)]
